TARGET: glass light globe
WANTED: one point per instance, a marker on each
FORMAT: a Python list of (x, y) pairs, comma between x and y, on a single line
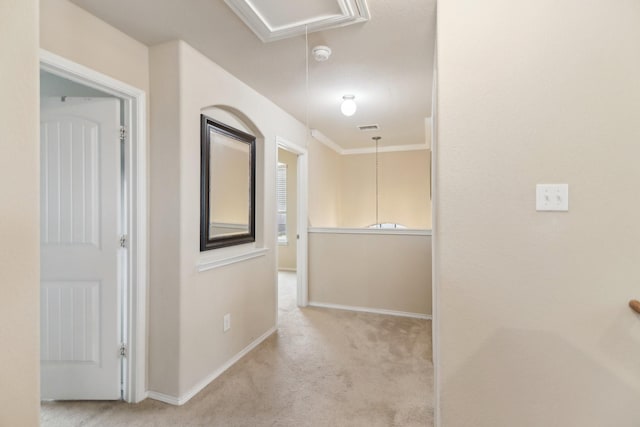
[(348, 106)]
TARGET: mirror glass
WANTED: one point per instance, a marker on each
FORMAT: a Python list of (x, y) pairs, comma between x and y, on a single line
[(228, 185)]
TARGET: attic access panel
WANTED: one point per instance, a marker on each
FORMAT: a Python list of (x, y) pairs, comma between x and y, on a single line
[(279, 19)]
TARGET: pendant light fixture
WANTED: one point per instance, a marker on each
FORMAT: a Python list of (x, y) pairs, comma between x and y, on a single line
[(376, 139), (348, 106)]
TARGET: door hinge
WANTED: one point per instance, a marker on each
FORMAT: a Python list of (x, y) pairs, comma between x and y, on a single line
[(123, 133), (124, 350), (123, 241)]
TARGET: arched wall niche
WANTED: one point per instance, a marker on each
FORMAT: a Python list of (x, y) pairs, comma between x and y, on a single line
[(233, 117)]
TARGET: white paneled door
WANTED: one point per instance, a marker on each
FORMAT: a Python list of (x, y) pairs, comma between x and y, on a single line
[(80, 231)]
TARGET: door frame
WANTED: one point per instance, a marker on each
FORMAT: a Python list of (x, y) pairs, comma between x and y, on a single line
[(134, 306), (435, 221), (302, 196)]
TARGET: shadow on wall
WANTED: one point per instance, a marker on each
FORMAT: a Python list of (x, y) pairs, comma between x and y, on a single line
[(527, 369), (618, 349)]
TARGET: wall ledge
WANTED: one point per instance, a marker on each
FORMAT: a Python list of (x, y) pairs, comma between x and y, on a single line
[(181, 400), (373, 231), (210, 264), (371, 310)]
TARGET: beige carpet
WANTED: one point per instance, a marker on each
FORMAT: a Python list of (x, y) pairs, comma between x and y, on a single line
[(322, 368)]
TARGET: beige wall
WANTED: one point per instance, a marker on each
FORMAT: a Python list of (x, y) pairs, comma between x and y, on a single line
[(374, 271), (287, 253), (342, 188), (75, 34), (533, 324), (403, 195), (324, 185), (370, 271), (164, 228), (192, 335), (19, 216)]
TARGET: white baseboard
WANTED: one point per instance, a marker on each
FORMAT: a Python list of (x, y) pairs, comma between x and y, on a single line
[(371, 310), (172, 400), (215, 374)]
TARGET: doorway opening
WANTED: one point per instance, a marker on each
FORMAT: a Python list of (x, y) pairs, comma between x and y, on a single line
[(286, 207), (292, 223), (93, 234)]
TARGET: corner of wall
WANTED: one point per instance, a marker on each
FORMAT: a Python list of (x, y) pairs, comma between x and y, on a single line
[(164, 254), (19, 218)]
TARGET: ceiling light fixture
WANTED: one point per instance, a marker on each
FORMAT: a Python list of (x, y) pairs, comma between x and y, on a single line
[(321, 53), (348, 106)]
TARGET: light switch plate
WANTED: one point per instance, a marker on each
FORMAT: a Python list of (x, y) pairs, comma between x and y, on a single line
[(552, 197), (226, 322)]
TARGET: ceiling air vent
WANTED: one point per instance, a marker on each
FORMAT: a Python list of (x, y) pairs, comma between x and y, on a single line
[(366, 128)]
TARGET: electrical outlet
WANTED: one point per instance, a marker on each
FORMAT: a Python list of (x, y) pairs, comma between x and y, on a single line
[(226, 322)]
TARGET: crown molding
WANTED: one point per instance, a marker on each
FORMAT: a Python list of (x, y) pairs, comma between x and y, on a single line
[(322, 138), (385, 149)]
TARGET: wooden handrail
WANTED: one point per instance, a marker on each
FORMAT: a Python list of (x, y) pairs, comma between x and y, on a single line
[(635, 305)]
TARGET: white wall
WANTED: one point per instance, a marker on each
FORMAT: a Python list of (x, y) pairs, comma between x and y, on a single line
[(533, 320), (185, 83), (19, 215)]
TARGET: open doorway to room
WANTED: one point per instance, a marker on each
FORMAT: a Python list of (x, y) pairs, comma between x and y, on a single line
[(287, 238), (292, 223), (286, 201), (93, 234)]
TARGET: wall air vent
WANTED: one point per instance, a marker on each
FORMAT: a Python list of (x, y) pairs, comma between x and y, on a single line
[(366, 128)]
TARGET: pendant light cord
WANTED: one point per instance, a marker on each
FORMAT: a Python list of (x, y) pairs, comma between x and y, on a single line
[(377, 138), (306, 58)]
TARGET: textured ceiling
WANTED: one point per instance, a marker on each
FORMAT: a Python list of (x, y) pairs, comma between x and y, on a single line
[(386, 63)]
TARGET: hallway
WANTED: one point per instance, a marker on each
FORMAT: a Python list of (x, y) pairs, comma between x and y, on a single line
[(321, 368)]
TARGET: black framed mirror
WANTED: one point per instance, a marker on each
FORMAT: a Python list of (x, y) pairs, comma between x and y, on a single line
[(227, 185)]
